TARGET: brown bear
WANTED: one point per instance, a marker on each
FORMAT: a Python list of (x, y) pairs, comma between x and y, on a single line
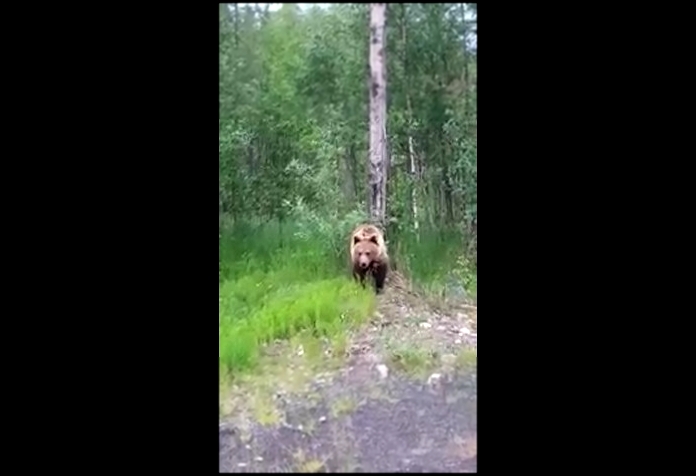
[(368, 253)]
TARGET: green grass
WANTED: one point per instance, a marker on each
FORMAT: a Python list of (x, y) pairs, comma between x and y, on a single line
[(435, 261), (412, 360), (281, 280), (276, 282)]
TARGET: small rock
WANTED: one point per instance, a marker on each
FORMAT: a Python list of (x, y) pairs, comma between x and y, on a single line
[(322, 419), (457, 341), (258, 458), (441, 328), (242, 465), (383, 370), (300, 350), (247, 447), (464, 331), (434, 379), (379, 315), (426, 325)]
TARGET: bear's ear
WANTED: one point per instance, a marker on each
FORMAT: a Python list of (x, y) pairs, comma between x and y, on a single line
[(356, 239), (373, 239)]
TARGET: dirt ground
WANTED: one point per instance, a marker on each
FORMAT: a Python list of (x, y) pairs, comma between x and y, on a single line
[(400, 397)]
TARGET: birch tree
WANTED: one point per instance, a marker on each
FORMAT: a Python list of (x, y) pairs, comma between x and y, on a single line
[(378, 159)]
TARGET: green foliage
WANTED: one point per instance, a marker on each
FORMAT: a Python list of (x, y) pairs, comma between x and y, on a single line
[(292, 161), (279, 280), (436, 259), (293, 120)]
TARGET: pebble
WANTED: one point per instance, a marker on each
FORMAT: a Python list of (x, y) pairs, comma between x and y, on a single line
[(258, 458), (426, 325), (464, 331), (242, 465), (322, 419), (441, 328), (383, 370), (457, 341), (434, 379)]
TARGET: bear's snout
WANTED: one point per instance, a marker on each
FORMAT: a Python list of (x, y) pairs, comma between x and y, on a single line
[(364, 264)]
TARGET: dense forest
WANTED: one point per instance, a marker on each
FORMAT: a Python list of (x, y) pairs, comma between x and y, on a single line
[(330, 116)]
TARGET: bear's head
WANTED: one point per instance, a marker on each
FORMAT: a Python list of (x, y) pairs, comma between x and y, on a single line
[(366, 252), (367, 232)]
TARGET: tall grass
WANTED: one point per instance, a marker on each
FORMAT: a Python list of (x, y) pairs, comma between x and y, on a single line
[(435, 260), (277, 280)]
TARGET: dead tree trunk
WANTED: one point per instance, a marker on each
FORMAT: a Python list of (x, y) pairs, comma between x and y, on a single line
[(378, 159)]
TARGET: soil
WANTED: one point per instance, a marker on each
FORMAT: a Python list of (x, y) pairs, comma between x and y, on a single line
[(401, 398)]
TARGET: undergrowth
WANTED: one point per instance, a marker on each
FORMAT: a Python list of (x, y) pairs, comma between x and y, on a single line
[(280, 279), (277, 280), (436, 262)]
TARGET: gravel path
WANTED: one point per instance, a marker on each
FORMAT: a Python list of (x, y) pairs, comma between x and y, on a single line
[(371, 414), (392, 424)]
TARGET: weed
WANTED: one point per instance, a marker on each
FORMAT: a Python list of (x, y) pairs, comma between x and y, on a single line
[(466, 360), (339, 345), (311, 466), (412, 360), (342, 406), (307, 465), (264, 409)]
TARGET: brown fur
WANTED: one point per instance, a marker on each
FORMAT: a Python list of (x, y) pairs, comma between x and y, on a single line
[(368, 253), (369, 233)]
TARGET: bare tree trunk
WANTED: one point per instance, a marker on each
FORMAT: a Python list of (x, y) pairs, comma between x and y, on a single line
[(414, 195), (378, 158), (236, 25), (465, 34), (349, 174), (409, 117)]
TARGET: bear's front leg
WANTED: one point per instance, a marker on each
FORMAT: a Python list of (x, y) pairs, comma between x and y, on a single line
[(360, 278), (379, 273)]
